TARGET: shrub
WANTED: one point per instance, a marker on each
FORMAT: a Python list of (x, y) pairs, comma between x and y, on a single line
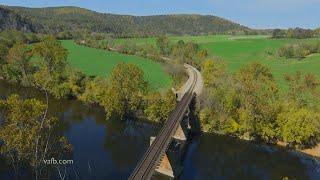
[(299, 50)]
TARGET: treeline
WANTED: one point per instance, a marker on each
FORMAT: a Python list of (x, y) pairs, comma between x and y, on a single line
[(299, 50), (70, 19), (248, 104), (43, 65), (298, 33)]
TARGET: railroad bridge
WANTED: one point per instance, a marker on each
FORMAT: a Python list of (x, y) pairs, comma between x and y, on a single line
[(166, 151)]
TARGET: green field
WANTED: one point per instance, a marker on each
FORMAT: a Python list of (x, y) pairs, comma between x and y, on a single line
[(197, 39), (100, 62), (237, 51)]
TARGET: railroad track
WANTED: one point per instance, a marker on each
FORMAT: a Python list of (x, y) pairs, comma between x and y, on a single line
[(151, 158)]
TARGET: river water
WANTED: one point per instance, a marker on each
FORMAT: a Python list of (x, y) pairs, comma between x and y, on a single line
[(110, 149)]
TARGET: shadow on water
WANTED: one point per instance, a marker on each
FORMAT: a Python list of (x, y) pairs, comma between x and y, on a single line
[(212, 156)]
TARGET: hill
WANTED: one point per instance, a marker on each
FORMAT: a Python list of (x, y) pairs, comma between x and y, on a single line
[(11, 20), (57, 19)]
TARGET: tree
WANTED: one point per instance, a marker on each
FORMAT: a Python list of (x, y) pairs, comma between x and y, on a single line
[(178, 51), (278, 33), (190, 53), (75, 82), (219, 100), (317, 32), (19, 60), (94, 90), (212, 72), (258, 93), (51, 72), (158, 108), (28, 135), (53, 54), (163, 44), (125, 92), (302, 33), (202, 54), (3, 53), (303, 89), (299, 126)]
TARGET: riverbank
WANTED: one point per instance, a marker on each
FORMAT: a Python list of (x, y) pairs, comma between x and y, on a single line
[(313, 152)]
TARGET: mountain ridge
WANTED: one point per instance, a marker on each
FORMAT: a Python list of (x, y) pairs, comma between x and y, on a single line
[(71, 18)]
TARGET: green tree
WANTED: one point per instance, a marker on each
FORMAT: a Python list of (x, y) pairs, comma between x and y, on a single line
[(303, 89), (75, 82), (95, 90), (125, 92), (19, 61), (53, 54), (212, 71), (278, 33), (299, 126), (3, 53), (219, 100), (178, 51), (259, 94), (163, 44), (51, 73), (158, 108), (317, 32), (28, 134)]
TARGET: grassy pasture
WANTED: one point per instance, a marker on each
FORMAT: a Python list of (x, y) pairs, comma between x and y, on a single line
[(238, 51), (197, 39), (100, 62)]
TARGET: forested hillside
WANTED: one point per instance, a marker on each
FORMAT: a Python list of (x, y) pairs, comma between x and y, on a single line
[(57, 19), (11, 20)]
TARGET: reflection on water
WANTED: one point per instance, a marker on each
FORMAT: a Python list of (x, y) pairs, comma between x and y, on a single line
[(111, 149), (221, 157), (101, 149)]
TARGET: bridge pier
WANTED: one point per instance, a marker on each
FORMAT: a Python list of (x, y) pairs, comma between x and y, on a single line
[(170, 164)]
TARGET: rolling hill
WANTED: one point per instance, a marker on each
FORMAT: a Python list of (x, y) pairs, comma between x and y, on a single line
[(57, 19)]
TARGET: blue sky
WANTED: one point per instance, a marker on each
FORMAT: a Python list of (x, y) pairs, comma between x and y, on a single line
[(252, 13)]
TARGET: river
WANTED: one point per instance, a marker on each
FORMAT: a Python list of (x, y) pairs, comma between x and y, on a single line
[(110, 149)]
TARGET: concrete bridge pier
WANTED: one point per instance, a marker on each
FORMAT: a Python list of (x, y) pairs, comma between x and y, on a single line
[(170, 163)]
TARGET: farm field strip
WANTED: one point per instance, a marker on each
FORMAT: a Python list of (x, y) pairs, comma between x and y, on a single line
[(98, 62)]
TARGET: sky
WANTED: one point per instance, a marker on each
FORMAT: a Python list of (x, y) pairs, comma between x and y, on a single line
[(252, 13)]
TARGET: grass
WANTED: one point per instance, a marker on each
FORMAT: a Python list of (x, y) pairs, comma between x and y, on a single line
[(197, 39), (101, 63), (238, 51)]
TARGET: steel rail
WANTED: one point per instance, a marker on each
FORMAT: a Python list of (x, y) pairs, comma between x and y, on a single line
[(150, 159)]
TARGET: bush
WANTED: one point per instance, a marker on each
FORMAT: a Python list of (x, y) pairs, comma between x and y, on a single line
[(299, 50), (299, 126)]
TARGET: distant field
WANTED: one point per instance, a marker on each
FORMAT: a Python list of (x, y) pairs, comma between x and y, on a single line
[(99, 62), (197, 39), (237, 51)]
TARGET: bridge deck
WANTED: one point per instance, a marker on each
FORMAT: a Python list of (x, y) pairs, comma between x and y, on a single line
[(147, 164)]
